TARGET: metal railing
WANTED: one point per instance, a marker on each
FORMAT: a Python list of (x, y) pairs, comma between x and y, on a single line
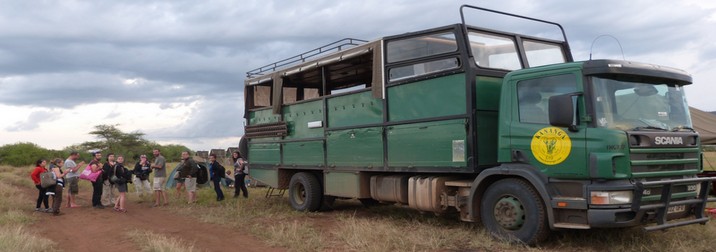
[(332, 47)]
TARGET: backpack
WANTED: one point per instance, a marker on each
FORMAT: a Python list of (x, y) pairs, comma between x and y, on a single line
[(47, 179), (202, 175), (220, 171)]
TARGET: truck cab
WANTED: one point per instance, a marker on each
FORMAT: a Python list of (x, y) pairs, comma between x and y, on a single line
[(611, 140)]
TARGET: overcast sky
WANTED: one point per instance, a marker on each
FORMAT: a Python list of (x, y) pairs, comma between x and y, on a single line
[(174, 69)]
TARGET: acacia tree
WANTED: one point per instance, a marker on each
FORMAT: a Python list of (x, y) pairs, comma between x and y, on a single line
[(111, 139)]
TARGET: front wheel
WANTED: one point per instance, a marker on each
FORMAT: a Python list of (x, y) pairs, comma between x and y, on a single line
[(304, 192), (512, 209)]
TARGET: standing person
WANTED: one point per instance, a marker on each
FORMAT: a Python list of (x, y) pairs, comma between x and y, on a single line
[(141, 176), (239, 175), (97, 185), (72, 177), (160, 165), (188, 172), (42, 195), (179, 180), (217, 172), (108, 196), (123, 176), (56, 168)]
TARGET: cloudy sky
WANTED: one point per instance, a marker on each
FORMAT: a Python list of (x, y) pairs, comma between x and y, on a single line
[(174, 69)]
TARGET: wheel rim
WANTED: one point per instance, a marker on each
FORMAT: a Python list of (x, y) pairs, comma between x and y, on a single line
[(299, 194), (509, 213)]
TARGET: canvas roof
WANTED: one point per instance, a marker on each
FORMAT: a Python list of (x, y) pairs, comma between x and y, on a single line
[(705, 124)]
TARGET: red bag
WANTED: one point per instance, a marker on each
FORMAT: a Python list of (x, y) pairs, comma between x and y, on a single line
[(87, 174)]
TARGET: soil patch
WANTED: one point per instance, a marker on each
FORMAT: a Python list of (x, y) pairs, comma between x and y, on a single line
[(89, 229)]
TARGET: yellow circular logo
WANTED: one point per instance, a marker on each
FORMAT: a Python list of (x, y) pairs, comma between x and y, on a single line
[(551, 145)]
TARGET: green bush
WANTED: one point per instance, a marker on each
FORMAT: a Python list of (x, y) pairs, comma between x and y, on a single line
[(23, 154)]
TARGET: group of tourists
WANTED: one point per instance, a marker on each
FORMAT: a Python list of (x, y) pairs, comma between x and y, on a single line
[(112, 175)]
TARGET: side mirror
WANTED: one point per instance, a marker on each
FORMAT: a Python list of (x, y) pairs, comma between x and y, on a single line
[(562, 110)]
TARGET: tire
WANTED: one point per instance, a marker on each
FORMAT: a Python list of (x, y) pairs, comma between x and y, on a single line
[(511, 209), (304, 192)]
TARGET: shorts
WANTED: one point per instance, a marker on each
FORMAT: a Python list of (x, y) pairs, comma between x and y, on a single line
[(190, 184), (72, 185), (121, 187), (158, 183)]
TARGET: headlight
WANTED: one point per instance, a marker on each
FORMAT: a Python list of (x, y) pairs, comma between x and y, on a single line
[(611, 197)]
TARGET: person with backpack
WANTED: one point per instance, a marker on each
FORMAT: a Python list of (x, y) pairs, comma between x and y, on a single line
[(239, 174), (188, 172), (42, 196), (120, 176), (56, 168), (141, 176), (108, 188), (216, 172)]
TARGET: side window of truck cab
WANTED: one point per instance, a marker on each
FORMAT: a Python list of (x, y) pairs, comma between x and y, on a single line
[(533, 96)]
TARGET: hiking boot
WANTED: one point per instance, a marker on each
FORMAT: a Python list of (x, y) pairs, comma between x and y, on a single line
[(47, 210)]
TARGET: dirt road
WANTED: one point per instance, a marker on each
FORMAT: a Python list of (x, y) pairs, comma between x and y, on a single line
[(89, 229)]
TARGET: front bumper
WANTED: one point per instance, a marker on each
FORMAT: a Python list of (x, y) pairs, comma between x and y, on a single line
[(656, 213)]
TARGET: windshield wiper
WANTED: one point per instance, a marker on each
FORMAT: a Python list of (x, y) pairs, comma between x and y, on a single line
[(648, 128), (682, 127)]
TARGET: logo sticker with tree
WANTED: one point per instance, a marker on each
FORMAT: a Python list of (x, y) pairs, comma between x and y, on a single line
[(551, 145)]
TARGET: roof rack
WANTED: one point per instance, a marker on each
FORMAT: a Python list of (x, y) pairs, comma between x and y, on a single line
[(332, 47)]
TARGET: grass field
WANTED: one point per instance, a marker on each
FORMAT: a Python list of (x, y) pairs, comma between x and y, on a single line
[(349, 228)]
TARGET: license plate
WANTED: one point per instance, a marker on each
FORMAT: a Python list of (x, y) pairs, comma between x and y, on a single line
[(676, 209)]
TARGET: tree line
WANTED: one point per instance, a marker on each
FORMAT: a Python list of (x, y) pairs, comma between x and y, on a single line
[(109, 139)]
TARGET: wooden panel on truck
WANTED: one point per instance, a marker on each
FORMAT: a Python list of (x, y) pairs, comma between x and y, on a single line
[(354, 109), (443, 96), (308, 153), (439, 144), (347, 184), (298, 116), (355, 148)]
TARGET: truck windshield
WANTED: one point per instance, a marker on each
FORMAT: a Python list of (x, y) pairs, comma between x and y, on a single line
[(629, 105)]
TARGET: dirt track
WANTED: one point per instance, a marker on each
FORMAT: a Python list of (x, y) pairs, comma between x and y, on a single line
[(89, 229)]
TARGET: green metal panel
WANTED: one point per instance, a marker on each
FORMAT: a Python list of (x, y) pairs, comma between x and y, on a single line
[(303, 153), (297, 117), (267, 176), (347, 184), (354, 109), (436, 97), (265, 153), (355, 148), (431, 144), (487, 95), (262, 116)]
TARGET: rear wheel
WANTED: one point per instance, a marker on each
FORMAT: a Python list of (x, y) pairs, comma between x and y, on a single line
[(512, 209), (304, 192)]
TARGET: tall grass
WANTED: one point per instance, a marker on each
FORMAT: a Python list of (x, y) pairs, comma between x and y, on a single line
[(396, 228), (153, 242), (16, 238), (14, 209)]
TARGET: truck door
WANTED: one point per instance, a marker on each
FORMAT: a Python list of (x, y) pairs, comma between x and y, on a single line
[(556, 151)]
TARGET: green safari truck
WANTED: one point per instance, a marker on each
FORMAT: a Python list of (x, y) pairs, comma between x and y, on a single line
[(501, 127)]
